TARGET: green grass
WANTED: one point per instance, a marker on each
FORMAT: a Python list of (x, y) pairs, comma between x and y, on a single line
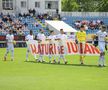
[(20, 75)]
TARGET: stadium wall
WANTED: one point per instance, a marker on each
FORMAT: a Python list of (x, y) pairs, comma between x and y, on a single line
[(22, 6), (85, 14), (0, 6)]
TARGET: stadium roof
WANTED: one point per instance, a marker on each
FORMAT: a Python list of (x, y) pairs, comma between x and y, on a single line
[(60, 25)]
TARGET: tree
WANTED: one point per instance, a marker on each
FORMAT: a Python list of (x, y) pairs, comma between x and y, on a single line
[(88, 5), (103, 6), (70, 5), (85, 5)]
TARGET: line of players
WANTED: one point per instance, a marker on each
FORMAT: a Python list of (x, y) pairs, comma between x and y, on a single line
[(80, 37), (41, 37)]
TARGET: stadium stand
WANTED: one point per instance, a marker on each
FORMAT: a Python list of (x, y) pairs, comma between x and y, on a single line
[(21, 24), (92, 23)]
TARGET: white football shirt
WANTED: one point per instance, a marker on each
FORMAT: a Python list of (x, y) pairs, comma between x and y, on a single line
[(101, 35), (29, 37), (62, 36), (41, 36), (52, 37), (10, 38)]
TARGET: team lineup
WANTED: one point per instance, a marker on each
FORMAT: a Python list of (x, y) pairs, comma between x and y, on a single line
[(79, 38), (53, 44)]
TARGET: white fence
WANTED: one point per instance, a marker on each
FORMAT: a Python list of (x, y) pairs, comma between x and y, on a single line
[(85, 14)]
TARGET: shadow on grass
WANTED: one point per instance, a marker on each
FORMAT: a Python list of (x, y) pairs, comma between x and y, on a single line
[(84, 65)]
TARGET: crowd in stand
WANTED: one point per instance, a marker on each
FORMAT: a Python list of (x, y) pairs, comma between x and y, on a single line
[(14, 22), (92, 24), (8, 22)]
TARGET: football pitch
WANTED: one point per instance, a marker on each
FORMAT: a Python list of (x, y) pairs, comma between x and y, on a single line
[(21, 75)]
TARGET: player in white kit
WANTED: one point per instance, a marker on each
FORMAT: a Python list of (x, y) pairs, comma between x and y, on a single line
[(52, 39), (41, 38), (10, 45), (29, 38), (101, 43), (61, 42), (72, 36)]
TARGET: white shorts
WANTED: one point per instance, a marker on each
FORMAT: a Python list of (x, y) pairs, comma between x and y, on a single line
[(101, 46), (10, 46)]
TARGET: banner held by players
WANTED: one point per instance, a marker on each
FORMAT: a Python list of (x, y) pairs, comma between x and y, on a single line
[(67, 48)]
